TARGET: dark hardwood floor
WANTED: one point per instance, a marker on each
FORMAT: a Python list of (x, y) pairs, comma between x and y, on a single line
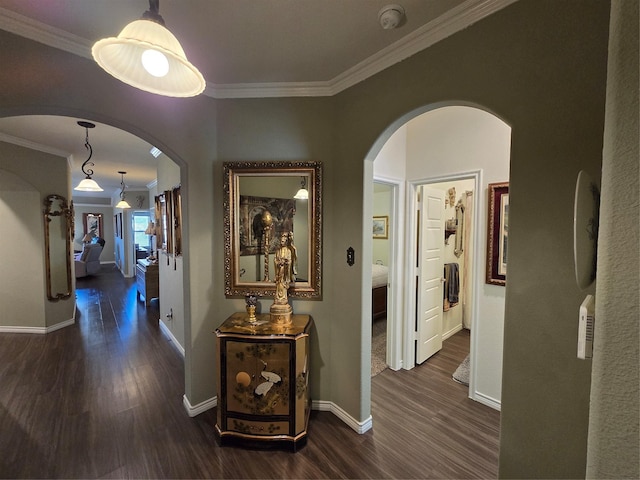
[(103, 399)]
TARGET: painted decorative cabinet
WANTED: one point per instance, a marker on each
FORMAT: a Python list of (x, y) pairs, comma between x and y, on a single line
[(147, 280), (263, 378)]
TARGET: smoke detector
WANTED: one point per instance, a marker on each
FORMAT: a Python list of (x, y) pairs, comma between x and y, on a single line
[(391, 16)]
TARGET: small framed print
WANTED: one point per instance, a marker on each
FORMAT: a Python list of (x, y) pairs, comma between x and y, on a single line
[(497, 233), (381, 226)]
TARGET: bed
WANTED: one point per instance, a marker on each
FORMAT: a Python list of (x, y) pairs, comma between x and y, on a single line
[(379, 281)]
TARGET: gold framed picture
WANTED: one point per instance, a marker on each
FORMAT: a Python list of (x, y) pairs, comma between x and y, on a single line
[(381, 226)]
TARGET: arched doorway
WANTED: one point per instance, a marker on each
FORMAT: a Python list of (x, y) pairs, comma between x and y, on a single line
[(57, 133), (442, 144)]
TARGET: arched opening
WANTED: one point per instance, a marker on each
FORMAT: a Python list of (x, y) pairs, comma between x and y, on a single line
[(443, 147), (21, 128)]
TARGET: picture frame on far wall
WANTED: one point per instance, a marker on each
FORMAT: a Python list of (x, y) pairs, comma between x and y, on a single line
[(497, 233), (381, 226), (92, 224)]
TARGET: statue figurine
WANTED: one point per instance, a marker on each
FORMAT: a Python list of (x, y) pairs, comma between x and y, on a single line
[(283, 263), (294, 257)]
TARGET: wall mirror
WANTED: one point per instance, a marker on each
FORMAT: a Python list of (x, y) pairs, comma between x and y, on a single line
[(262, 200), (58, 231)]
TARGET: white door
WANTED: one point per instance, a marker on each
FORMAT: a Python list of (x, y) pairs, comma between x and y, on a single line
[(430, 272)]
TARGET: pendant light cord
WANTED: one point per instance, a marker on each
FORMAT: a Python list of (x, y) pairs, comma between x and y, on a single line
[(153, 14), (88, 172)]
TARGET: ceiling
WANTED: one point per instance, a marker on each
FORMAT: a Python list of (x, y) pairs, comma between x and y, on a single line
[(244, 48)]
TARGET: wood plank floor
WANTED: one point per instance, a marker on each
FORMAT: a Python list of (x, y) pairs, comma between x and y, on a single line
[(103, 399)]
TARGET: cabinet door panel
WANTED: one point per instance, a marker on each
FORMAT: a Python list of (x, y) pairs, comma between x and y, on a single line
[(258, 378)]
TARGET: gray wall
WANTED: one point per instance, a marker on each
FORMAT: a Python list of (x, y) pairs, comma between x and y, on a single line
[(539, 65)]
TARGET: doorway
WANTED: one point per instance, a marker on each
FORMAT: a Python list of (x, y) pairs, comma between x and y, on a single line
[(446, 144)]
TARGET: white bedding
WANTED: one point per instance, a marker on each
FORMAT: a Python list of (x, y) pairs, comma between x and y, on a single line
[(379, 275)]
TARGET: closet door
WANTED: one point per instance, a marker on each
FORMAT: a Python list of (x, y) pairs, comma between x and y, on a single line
[(430, 268)]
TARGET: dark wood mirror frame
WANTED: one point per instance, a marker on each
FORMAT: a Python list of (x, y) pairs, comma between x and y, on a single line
[(309, 282), (58, 232)]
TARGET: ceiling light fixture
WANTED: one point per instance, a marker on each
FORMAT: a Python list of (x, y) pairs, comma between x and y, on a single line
[(87, 184), (303, 193), (122, 203), (146, 55)]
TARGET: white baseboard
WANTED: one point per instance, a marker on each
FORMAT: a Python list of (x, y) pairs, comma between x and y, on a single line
[(320, 405), (486, 400), (451, 332), (37, 330), (359, 427), (173, 339), (193, 410)]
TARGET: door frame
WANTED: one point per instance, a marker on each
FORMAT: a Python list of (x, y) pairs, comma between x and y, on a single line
[(411, 269), (395, 288)]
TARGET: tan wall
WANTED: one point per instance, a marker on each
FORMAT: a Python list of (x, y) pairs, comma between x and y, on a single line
[(24, 292)]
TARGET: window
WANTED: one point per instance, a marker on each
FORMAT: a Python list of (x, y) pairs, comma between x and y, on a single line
[(140, 224)]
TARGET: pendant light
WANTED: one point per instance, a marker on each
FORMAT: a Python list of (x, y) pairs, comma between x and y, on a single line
[(87, 184), (122, 203), (303, 193), (146, 55)]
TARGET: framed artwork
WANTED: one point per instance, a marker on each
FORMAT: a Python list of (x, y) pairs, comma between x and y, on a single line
[(115, 226), (120, 225), (160, 222), (177, 220), (251, 230), (92, 223), (381, 226), (497, 233), (167, 221)]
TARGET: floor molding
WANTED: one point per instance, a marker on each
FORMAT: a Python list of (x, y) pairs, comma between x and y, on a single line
[(485, 400), (174, 340), (319, 405), (194, 410), (37, 330)]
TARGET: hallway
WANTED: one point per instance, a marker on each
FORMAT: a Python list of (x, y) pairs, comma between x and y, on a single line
[(103, 399)]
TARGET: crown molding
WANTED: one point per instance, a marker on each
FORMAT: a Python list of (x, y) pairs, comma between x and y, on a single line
[(43, 33), (21, 142), (454, 20)]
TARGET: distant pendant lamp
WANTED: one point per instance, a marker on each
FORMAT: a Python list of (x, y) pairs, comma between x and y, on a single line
[(303, 193), (122, 203), (146, 55), (87, 184)]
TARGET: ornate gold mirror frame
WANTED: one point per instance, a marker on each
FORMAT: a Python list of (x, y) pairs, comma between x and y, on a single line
[(459, 240), (58, 231), (259, 206)]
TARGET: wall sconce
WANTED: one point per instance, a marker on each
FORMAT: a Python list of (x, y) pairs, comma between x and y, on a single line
[(146, 55), (122, 203), (303, 193), (87, 184)]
